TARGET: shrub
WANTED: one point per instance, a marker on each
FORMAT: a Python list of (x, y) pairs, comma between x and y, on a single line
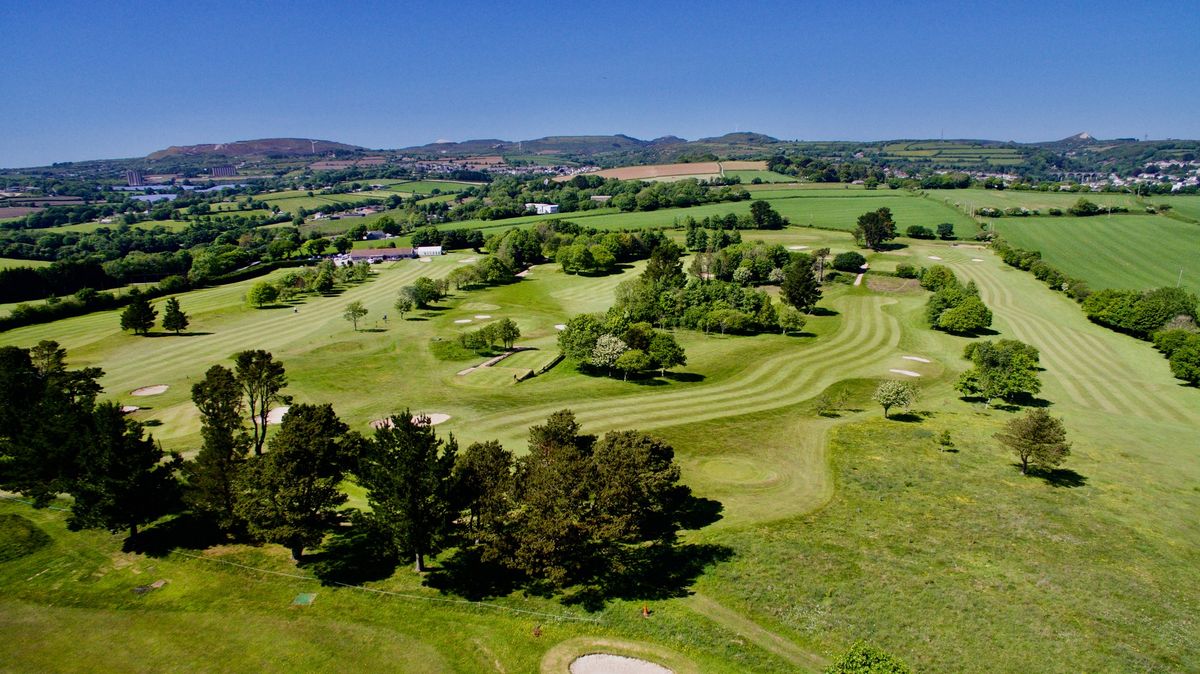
[(849, 262), (919, 232), (905, 270)]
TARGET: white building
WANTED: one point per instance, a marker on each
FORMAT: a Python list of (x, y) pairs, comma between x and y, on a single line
[(542, 209), (428, 251)]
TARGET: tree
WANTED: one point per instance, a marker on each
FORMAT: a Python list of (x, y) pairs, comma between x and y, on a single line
[(945, 231), (665, 352), (637, 492), (820, 254), (314, 247), (970, 315), (1185, 361), (173, 317), (139, 315), (406, 470), (124, 479), (790, 320), (892, 393), (800, 288), (354, 311), (578, 338), (875, 228), (342, 244), (483, 483), (423, 292), (291, 495), (1037, 439), (507, 332), (261, 378), (850, 262), (403, 305), (323, 283), (262, 293), (1000, 370), (633, 360), (606, 352), (765, 217), (212, 476), (862, 658)]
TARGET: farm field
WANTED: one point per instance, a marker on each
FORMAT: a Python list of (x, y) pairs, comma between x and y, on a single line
[(1186, 206), (1113, 251), (765, 176), (9, 262), (841, 527), (950, 152), (428, 186), (971, 199), (678, 171), (293, 200), (84, 227)]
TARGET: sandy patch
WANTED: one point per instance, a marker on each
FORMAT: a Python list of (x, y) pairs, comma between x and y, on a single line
[(523, 274), (276, 415), (906, 373), (435, 418), (481, 317), (606, 663), (560, 326), (466, 260), (917, 358), (463, 320), (934, 257), (157, 389), (797, 247), (126, 409), (976, 259), (858, 280), (865, 266), (426, 259)]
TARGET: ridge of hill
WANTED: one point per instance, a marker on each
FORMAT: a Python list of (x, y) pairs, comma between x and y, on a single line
[(261, 147)]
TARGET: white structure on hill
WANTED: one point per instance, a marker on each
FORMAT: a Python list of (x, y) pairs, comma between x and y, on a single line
[(428, 251), (542, 209)]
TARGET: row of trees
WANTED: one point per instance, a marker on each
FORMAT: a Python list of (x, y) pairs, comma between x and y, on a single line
[(139, 315), (953, 307), (505, 331), (604, 343)]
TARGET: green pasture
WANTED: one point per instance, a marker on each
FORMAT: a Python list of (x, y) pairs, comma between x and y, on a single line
[(89, 227), (969, 200), (1186, 206), (841, 528), (10, 262), (1113, 251), (765, 176)]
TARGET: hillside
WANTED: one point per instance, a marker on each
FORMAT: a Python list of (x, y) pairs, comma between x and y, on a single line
[(263, 147)]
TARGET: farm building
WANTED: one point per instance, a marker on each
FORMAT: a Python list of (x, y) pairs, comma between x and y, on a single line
[(542, 209), (375, 255), (428, 251)]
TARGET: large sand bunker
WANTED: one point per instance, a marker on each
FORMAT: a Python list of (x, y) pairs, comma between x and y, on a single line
[(157, 389), (917, 358), (906, 373), (276, 415), (606, 663), (435, 418)]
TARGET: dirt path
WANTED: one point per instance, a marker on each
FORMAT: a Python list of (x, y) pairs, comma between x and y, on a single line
[(780, 646)]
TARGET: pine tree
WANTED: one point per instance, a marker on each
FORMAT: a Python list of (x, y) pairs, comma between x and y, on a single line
[(212, 476), (800, 288), (173, 317), (139, 315), (261, 378)]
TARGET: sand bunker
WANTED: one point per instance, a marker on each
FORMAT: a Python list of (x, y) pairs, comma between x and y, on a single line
[(482, 316), (126, 409), (463, 320), (523, 274), (426, 259), (797, 247), (150, 390), (465, 260), (907, 373), (917, 358), (976, 259), (435, 418), (560, 326), (276, 415), (934, 257), (605, 663)]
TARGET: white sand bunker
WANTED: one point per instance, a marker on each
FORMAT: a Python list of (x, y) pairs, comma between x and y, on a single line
[(150, 390), (127, 409), (560, 326), (435, 418), (606, 663), (466, 260), (917, 358), (906, 373), (934, 257), (482, 316), (797, 247), (276, 415), (976, 259), (426, 259), (523, 274), (463, 320)]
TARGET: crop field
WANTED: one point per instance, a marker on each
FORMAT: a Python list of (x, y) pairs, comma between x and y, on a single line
[(1114, 251), (971, 199), (841, 527), (9, 262), (427, 187), (953, 153), (293, 200), (84, 227)]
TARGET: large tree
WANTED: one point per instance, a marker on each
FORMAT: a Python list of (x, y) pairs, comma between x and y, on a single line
[(1000, 370), (292, 494), (875, 228), (173, 317), (139, 315), (507, 332), (800, 288), (261, 378), (123, 479), (483, 484), (354, 311), (406, 470), (1038, 439), (665, 352), (262, 293), (892, 393), (637, 492), (212, 475)]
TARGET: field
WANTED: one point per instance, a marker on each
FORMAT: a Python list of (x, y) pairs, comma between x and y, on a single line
[(765, 176), (701, 170), (293, 200), (1113, 251), (971, 199), (85, 227), (841, 528), (8, 263), (952, 153)]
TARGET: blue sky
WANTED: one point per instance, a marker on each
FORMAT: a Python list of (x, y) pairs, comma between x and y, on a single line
[(100, 80)]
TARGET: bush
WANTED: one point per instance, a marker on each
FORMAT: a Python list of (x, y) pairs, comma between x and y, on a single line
[(849, 262), (919, 232), (865, 659), (905, 270)]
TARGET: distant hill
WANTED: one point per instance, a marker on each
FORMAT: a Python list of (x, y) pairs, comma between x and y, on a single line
[(263, 147)]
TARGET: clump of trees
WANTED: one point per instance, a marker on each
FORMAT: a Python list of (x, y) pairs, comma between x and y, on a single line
[(505, 331), (1140, 313), (605, 343), (1179, 341), (421, 294), (953, 307), (1003, 369)]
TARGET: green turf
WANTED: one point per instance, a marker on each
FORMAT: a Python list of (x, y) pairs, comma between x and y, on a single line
[(765, 176), (1113, 251), (971, 199), (9, 263)]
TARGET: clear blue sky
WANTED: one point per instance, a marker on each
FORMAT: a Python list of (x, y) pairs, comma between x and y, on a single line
[(99, 80)]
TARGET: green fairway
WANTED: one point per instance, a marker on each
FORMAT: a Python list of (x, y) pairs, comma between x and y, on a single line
[(1113, 251), (10, 262), (842, 527)]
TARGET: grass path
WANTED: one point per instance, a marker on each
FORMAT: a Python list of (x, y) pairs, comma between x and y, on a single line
[(752, 631)]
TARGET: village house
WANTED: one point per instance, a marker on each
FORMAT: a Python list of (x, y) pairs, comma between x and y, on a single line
[(542, 209)]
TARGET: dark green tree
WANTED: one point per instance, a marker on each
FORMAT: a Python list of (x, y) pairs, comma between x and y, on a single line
[(483, 484), (875, 228), (862, 658), (123, 479), (1037, 439), (212, 476), (406, 470), (800, 288), (637, 493), (507, 332), (665, 352), (173, 317), (139, 315), (261, 378), (1000, 370), (291, 495)]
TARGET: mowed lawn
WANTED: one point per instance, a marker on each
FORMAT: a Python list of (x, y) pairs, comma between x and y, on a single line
[(841, 528), (972, 199), (10, 262), (1114, 251)]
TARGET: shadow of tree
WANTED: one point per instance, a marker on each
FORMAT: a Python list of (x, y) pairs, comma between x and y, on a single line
[(652, 571), (354, 555), (182, 532), (906, 417), (1059, 477), (466, 574)]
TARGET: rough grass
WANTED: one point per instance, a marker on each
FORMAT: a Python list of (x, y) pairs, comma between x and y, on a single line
[(10, 262)]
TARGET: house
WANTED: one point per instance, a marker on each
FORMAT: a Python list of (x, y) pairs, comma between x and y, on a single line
[(428, 251), (542, 209), (375, 235), (376, 255)]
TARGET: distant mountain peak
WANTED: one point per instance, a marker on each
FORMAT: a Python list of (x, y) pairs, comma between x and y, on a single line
[(253, 148)]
